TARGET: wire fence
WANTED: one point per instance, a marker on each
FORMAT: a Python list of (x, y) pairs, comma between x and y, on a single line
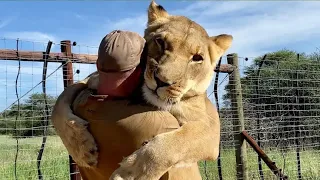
[(280, 103), (23, 117), (281, 110)]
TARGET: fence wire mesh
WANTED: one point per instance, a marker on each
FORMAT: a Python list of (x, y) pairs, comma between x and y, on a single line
[(281, 99), (281, 104), (23, 112)]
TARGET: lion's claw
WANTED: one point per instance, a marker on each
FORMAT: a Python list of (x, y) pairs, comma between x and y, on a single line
[(145, 163), (79, 142)]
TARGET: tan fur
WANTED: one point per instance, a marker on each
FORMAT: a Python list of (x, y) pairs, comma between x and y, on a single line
[(72, 129), (185, 97), (183, 38)]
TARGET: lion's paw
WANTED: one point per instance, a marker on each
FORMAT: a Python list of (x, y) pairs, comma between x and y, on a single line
[(80, 143), (87, 155), (129, 169), (146, 163)]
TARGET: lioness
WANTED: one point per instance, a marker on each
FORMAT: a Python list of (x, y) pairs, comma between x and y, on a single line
[(180, 64), (181, 60)]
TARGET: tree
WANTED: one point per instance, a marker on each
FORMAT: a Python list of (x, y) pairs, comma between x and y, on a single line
[(284, 96), (30, 118)]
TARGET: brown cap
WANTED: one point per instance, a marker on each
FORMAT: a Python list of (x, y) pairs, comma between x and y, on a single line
[(120, 51)]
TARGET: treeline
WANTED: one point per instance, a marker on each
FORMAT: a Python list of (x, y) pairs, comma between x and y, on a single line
[(29, 119), (281, 99), (281, 91)]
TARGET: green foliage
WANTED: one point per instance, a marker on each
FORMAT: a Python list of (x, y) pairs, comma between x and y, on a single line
[(284, 96), (29, 119)]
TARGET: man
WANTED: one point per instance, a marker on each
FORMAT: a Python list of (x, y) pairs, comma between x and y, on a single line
[(118, 123)]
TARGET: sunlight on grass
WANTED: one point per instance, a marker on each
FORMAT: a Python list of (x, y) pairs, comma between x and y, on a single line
[(54, 164)]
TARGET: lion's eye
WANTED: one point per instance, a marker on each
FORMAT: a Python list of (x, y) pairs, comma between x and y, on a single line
[(197, 58), (160, 42)]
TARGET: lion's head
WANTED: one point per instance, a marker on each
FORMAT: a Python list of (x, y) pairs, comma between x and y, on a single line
[(181, 57)]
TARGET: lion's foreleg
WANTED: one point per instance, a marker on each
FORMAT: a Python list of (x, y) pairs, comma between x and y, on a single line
[(72, 129), (194, 141)]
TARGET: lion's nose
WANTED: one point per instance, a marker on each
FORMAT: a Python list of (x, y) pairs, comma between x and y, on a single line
[(159, 82)]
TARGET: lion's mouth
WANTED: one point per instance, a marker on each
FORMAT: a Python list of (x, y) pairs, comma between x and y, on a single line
[(161, 100), (167, 93), (154, 92), (159, 82), (157, 91)]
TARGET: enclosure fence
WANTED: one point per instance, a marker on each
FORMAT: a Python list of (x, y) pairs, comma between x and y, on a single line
[(275, 99)]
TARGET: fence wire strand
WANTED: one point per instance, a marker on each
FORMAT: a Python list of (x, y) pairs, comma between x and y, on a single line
[(281, 105), (25, 118), (18, 114)]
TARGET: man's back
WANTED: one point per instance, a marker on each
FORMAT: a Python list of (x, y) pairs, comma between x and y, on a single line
[(119, 129)]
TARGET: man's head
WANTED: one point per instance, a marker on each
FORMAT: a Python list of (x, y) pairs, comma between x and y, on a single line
[(181, 57), (120, 51), (118, 57)]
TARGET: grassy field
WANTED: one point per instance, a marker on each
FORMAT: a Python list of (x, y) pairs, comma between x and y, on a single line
[(55, 162)]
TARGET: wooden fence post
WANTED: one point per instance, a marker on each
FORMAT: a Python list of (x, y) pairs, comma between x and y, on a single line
[(67, 68), (238, 117), (67, 72)]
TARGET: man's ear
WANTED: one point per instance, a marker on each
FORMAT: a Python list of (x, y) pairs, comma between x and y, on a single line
[(155, 12), (221, 43)]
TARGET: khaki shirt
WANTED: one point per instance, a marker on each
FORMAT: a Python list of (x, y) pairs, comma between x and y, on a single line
[(119, 129)]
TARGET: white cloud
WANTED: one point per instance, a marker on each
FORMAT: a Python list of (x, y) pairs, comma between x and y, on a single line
[(5, 22), (31, 36), (81, 17), (136, 24), (260, 26), (28, 41), (257, 27)]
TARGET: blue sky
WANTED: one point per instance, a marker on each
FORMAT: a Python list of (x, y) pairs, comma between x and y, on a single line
[(257, 27)]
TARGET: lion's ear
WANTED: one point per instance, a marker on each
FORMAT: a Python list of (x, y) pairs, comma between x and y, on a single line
[(223, 41), (155, 12)]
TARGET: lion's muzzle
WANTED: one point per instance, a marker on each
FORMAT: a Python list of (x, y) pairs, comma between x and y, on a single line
[(159, 82)]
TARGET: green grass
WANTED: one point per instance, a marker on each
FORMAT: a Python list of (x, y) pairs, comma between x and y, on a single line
[(55, 161), (310, 165), (54, 164)]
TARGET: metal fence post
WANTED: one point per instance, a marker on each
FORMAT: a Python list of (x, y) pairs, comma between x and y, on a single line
[(238, 117), (67, 72)]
